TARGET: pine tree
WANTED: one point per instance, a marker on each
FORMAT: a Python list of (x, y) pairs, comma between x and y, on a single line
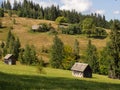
[(69, 58), (114, 47), (16, 48), (0, 23), (8, 5), (57, 53), (104, 61), (12, 45), (28, 56), (92, 57), (76, 48), (15, 5), (1, 12)]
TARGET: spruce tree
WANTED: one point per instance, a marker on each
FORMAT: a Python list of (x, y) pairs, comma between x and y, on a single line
[(92, 57), (57, 53), (114, 47), (28, 56), (76, 47), (0, 23), (1, 12), (12, 45)]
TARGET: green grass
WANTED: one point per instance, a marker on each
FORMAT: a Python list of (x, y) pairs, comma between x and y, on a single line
[(21, 77)]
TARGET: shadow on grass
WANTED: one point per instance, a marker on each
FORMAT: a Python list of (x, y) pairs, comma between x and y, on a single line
[(98, 37), (27, 82)]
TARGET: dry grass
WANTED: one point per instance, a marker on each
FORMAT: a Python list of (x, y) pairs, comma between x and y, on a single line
[(23, 25)]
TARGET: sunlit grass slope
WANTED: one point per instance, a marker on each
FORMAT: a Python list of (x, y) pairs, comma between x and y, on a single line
[(21, 77)]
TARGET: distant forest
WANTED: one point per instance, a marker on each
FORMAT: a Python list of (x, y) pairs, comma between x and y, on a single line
[(31, 10)]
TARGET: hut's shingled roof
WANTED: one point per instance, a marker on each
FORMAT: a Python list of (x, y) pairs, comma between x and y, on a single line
[(35, 27), (79, 67), (7, 56)]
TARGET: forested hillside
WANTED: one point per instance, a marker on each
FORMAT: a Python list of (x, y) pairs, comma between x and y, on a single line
[(63, 37)]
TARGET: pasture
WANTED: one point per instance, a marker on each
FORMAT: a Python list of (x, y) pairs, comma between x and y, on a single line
[(22, 77)]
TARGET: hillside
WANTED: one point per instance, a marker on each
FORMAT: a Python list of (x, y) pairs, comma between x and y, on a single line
[(20, 77), (22, 30)]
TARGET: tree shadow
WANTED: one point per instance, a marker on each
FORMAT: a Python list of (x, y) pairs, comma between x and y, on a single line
[(29, 82), (98, 37), (3, 27)]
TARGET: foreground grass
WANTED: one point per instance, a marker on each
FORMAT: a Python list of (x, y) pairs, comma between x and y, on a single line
[(20, 77)]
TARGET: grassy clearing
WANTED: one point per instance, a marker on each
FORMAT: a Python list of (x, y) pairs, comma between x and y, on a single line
[(22, 30), (21, 77), (23, 25)]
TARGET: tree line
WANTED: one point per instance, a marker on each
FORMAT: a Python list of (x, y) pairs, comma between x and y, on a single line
[(31, 10)]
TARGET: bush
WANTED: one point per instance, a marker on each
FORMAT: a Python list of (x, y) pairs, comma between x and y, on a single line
[(71, 29), (40, 66)]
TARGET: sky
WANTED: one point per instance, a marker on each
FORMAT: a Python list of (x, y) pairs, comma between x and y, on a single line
[(109, 8)]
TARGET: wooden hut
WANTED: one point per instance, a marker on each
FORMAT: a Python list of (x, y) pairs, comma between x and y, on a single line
[(35, 27), (81, 70), (10, 59)]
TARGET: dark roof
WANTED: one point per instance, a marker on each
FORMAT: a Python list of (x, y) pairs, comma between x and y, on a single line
[(35, 27), (79, 67), (7, 56)]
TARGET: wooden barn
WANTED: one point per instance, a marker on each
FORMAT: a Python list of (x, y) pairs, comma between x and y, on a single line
[(10, 59), (81, 70)]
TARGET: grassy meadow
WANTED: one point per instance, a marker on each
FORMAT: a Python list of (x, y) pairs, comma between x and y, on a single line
[(21, 77), (22, 30)]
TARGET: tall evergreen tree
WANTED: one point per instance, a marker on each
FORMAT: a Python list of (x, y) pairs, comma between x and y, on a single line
[(104, 61), (57, 53), (1, 12), (8, 5), (28, 56), (92, 57), (0, 23), (12, 45), (114, 47), (15, 5), (76, 49)]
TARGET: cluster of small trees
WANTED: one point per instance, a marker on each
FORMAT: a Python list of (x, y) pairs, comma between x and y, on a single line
[(71, 29), (28, 55), (12, 45), (25, 55), (63, 56), (45, 27), (89, 28)]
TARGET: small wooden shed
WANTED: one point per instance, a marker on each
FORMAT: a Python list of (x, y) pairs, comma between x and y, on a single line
[(10, 59), (35, 28), (81, 70)]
